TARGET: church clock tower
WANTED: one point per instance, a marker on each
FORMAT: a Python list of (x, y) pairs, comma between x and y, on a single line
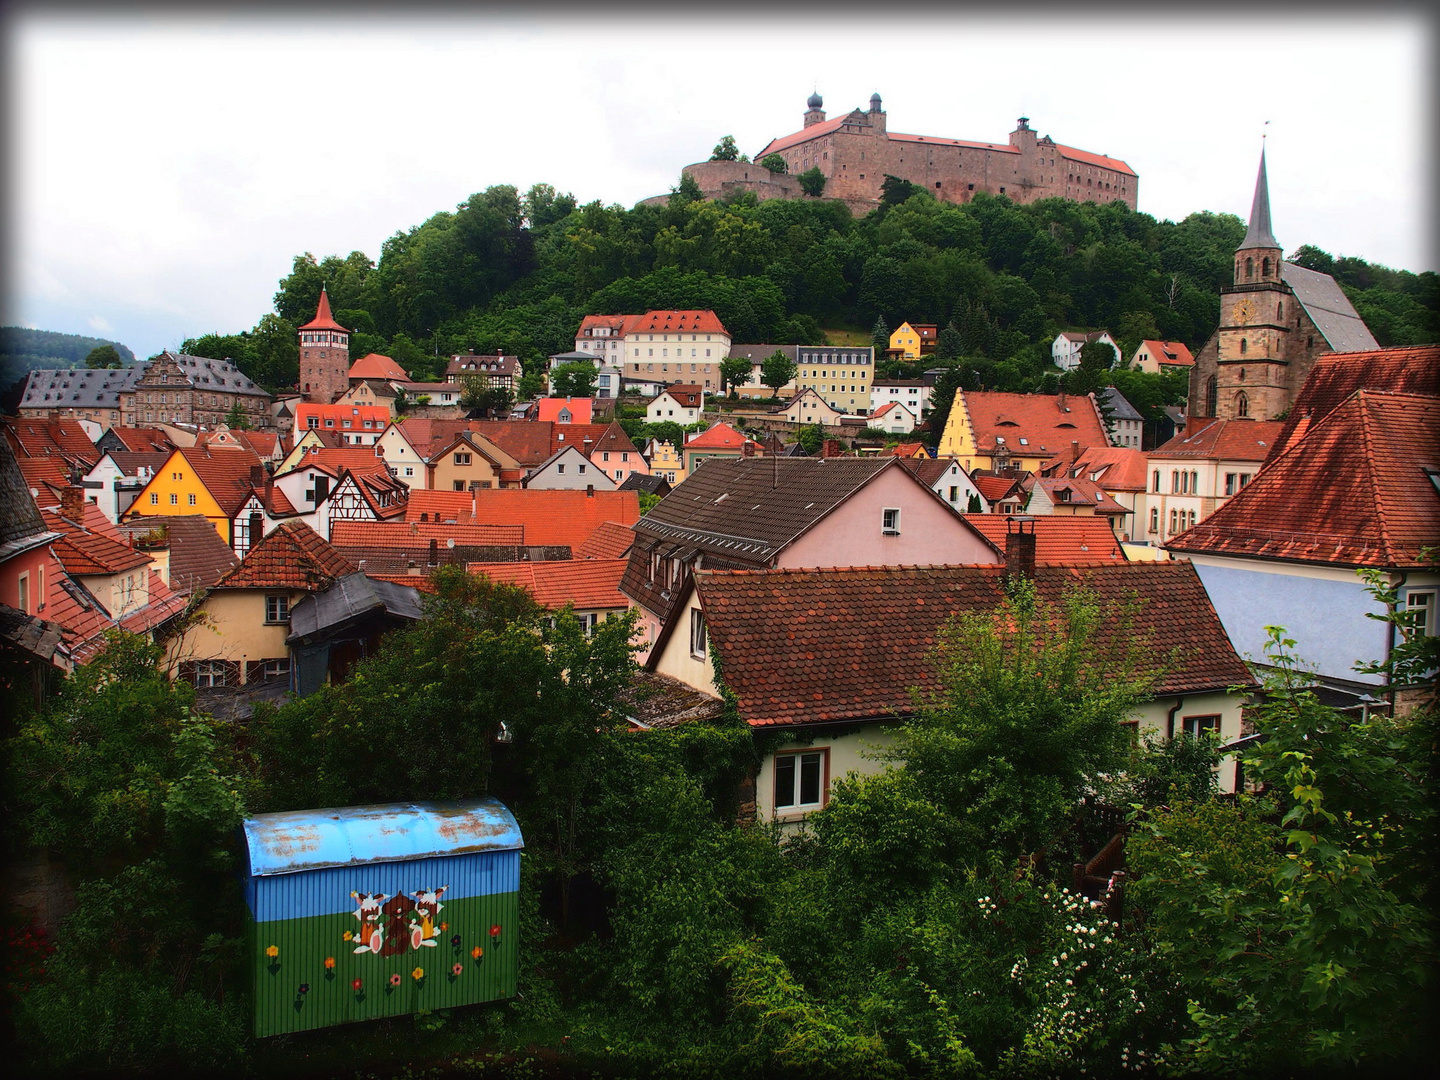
[(1251, 379), (324, 356)]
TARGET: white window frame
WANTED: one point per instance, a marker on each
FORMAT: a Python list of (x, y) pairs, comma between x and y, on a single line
[(890, 521), (277, 609), (789, 774), (699, 645)]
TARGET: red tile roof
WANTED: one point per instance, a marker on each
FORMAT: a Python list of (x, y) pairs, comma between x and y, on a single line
[(1076, 491), (293, 556), (696, 322), (143, 440), (619, 325), (83, 552), (1115, 468), (1047, 422), (814, 131), (1087, 158), (1060, 540), (1169, 353), (72, 606), (1359, 489), (816, 646), (378, 415), (264, 443), (557, 518), (64, 439), (163, 605), (439, 505), (548, 409), (610, 541), (360, 460), (323, 319), (719, 436), (1405, 370), (418, 534), (589, 584), (1223, 440), (375, 366), (909, 450), (529, 442), (994, 488)]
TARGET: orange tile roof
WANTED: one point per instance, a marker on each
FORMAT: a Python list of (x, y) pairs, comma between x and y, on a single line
[(659, 322), (815, 646), (323, 319), (143, 440), (589, 584), (264, 443), (1081, 492), (376, 366), (994, 488), (1360, 489), (1335, 376), (65, 439), (1223, 440), (1115, 468), (909, 449), (293, 556), (1169, 353), (83, 552), (418, 534), (557, 518), (225, 473), (360, 460), (1086, 157), (439, 505), (719, 436), (1047, 422), (610, 541), (548, 409), (814, 131), (378, 415), (74, 607), (1060, 539)]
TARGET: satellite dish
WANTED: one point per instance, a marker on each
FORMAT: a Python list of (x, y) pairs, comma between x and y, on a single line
[(450, 543)]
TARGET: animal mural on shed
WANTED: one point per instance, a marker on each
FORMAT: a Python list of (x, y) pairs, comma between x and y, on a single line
[(347, 921)]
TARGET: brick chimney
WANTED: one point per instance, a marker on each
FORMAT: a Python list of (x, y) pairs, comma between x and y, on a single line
[(434, 557), (747, 449), (830, 448), (72, 504), (257, 475), (1020, 547), (1060, 401)]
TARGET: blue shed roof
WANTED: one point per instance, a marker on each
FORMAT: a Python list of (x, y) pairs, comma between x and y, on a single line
[(297, 840)]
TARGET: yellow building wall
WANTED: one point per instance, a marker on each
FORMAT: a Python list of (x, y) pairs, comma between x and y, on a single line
[(443, 476), (175, 489), (298, 452), (908, 339), (234, 628)]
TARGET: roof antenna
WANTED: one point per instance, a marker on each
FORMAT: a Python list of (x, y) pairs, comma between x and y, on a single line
[(775, 468)]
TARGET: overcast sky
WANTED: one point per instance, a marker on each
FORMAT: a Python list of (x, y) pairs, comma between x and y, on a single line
[(166, 167)]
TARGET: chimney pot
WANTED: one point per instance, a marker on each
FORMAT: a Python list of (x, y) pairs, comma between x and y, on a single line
[(1020, 547), (72, 504)]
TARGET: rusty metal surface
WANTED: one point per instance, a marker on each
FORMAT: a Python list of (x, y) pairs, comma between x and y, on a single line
[(298, 840)]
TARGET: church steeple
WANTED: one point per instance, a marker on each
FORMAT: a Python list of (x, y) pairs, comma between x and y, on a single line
[(1258, 235), (1258, 257), (324, 355)]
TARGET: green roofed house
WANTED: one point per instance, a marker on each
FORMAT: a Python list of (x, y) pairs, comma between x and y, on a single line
[(367, 911)]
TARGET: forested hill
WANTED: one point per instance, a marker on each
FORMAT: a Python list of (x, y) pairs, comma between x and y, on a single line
[(23, 350), (513, 273)]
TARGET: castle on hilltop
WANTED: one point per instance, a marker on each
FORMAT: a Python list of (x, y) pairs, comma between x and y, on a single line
[(855, 153)]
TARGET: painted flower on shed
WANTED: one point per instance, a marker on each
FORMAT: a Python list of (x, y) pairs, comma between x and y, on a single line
[(495, 930), (455, 941), (477, 952), (272, 951), (356, 984), (329, 963), (349, 936), (304, 988), (418, 974), (457, 969), (395, 979)]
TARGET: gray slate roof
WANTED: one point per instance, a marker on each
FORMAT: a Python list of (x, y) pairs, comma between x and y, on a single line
[(734, 507), (1120, 409), (349, 597), (21, 526), (1258, 235), (100, 388), (1329, 308)]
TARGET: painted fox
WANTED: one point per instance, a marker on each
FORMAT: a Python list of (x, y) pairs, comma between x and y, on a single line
[(371, 934), (427, 906)]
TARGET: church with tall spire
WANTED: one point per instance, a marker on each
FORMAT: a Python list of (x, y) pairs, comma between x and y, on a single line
[(1276, 319)]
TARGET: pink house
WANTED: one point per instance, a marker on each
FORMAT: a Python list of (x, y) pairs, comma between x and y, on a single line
[(768, 513)]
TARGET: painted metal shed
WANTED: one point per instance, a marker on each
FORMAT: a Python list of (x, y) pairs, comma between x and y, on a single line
[(361, 912)]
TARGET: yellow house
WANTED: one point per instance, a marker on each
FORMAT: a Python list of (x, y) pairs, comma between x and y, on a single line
[(198, 480), (666, 461), (470, 461), (241, 638), (906, 340), (308, 439), (993, 430)]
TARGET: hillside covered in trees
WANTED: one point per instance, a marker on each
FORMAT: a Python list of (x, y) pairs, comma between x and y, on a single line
[(22, 350), (516, 273)]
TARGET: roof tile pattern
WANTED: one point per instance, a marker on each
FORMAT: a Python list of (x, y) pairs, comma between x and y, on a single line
[(816, 646), (1059, 540), (293, 556), (83, 552), (1047, 422), (589, 584), (610, 541), (1359, 489), (1225, 440), (226, 474)]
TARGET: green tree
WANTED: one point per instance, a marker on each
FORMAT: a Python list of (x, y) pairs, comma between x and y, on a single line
[(725, 149), (774, 162), (576, 379), (103, 356), (237, 419), (812, 182), (531, 384), (777, 370), (880, 336), (949, 345), (948, 383), (735, 371), (811, 438), (480, 396)]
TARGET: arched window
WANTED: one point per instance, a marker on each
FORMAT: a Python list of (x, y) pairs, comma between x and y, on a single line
[(1156, 481), (1212, 392), (1242, 404), (1279, 310), (1194, 483), (1265, 267), (1249, 269), (1243, 345)]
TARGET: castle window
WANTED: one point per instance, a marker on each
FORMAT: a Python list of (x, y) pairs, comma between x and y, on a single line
[(1279, 311), (1242, 404), (1249, 269), (1265, 267), (1243, 344)]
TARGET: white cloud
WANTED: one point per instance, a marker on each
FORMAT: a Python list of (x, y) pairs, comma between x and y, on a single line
[(100, 324)]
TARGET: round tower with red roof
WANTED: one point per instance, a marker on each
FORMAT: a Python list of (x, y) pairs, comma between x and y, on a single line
[(324, 356)]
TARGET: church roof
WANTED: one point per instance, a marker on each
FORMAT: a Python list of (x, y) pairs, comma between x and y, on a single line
[(1258, 235), (323, 319), (1329, 309)]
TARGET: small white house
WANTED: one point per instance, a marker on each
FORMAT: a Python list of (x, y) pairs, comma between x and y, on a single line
[(568, 470), (680, 403), (808, 407), (912, 393), (1066, 348), (894, 418)]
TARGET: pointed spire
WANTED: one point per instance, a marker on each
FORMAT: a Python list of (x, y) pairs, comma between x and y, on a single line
[(323, 319), (1258, 235)]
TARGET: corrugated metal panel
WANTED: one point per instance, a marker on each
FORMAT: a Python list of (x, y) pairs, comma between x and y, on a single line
[(300, 840)]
